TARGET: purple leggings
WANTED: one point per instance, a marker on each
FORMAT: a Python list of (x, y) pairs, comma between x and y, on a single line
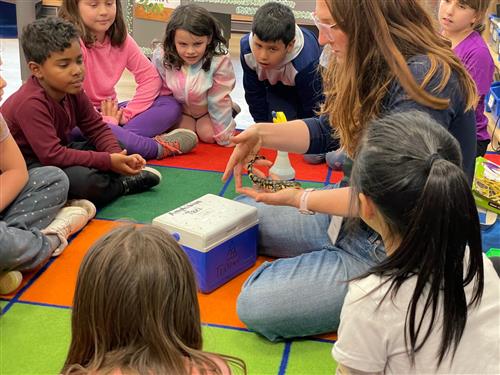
[(137, 135)]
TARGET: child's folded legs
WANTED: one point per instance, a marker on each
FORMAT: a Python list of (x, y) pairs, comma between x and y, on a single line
[(69, 220)]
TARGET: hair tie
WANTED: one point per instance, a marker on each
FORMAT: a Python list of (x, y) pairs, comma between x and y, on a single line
[(432, 158)]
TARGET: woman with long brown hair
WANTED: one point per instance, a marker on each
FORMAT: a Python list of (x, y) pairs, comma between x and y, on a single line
[(136, 311), (386, 57)]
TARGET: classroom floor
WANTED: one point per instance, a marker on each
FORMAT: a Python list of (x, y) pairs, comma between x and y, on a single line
[(35, 321), (35, 326)]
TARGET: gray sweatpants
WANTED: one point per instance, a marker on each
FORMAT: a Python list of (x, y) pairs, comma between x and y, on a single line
[(22, 246)]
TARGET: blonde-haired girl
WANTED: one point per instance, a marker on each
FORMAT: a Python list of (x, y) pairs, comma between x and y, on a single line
[(136, 311)]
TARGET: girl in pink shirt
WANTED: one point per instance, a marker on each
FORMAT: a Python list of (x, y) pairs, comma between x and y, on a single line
[(107, 51), (136, 311), (197, 71)]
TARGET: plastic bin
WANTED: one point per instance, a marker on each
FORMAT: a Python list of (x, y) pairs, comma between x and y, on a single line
[(487, 106), (493, 100)]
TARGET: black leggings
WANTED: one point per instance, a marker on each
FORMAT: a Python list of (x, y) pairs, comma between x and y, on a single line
[(97, 186)]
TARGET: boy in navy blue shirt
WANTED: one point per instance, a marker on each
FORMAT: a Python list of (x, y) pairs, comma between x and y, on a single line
[(280, 66)]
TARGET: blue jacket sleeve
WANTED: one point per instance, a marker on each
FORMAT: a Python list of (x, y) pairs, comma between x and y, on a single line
[(320, 135), (255, 90)]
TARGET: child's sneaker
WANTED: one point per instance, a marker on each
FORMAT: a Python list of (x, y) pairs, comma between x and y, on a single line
[(10, 281), (69, 220), (178, 141), (83, 203), (144, 180)]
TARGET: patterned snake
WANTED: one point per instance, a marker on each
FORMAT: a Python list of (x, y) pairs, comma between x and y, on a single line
[(267, 183)]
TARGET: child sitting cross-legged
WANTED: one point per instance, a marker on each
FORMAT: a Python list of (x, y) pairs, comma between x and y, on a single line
[(136, 311), (280, 66), (43, 112), (140, 124), (34, 225), (197, 70)]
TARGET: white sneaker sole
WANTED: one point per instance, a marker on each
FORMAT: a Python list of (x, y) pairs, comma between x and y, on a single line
[(85, 204), (182, 130), (152, 170)]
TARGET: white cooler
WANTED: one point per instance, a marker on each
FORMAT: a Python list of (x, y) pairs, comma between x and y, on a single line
[(219, 235)]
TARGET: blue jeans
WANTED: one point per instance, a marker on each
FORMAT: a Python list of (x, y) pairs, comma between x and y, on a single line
[(302, 293)]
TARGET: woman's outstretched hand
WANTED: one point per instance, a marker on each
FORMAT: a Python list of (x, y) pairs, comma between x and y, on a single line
[(247, 145), (285, 197)]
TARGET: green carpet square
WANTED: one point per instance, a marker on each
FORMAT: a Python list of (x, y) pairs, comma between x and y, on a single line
[(33, 339), (262, 357), (2, 305), (178, 186), (310, 358)]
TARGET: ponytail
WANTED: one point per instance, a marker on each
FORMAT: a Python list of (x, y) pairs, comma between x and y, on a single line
[(410, 167), (444, 222)]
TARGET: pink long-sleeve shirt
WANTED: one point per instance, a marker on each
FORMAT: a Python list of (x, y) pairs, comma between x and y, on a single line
[(104, 66)]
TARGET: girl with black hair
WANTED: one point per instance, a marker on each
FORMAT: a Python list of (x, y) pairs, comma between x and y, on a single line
[(433, 305)]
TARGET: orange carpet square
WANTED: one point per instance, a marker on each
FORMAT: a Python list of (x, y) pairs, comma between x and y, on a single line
[(57, 284)]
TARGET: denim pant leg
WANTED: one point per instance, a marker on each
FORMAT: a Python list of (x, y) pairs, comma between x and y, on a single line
[(314, 158), (303, 296), (284, 232), (22, 246)]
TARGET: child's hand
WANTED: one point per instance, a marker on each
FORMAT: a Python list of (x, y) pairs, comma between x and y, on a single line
[(137, 161), (127, 164), (109, 107)]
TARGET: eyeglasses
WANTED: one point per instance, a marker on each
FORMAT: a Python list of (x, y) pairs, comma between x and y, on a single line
[(323, 27)]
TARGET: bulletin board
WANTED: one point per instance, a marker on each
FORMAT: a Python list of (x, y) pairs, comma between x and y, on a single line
[(301, 8), (155, 10)]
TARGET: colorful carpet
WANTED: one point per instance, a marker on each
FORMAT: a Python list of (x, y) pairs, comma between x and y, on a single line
[(35, 322)]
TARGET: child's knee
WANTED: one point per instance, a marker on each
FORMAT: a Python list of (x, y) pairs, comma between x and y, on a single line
[(206, 138), (204, 130), (49, 177)]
